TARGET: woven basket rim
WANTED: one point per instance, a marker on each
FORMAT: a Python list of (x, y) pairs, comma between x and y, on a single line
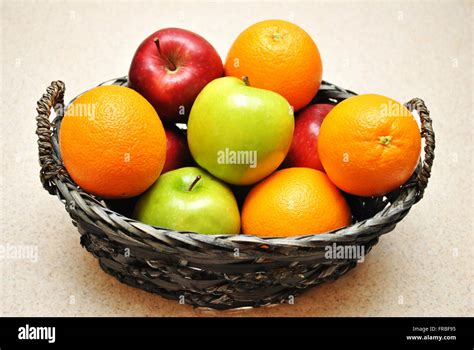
[(409, 193)]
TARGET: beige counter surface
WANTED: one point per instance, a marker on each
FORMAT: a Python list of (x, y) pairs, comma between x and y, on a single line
[(400, 49)]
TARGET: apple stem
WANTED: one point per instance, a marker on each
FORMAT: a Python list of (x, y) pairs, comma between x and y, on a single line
[(246, 80), (157, 43), (194, 183), (172, 66)]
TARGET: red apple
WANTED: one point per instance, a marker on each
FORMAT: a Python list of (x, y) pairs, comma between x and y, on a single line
[(304, 146), (177, 151), (170, 68)]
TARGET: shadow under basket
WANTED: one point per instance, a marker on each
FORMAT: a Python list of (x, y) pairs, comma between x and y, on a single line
[(224, 271)]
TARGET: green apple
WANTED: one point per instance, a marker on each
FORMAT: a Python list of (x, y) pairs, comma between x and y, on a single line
[(189, 199), (240, 134)]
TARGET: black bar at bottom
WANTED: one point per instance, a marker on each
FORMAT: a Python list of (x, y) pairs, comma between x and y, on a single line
[(431, 333)]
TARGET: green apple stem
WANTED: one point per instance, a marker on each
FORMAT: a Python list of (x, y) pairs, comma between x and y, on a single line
[(246, 80), (172, 66), (194, 183)]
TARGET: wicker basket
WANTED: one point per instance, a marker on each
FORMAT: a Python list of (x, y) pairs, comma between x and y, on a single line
[(225, 271)]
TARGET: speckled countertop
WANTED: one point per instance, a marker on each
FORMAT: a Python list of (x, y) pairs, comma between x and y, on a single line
[(399, 49)]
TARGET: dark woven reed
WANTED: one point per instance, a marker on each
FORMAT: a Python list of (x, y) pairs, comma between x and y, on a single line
[(227, 271)]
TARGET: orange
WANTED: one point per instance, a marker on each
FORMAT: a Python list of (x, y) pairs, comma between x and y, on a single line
[(293, 202), (112, 142), (369, 145), (279, 56)]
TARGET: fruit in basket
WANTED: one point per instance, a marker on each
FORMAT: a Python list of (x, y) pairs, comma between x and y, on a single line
[(112, 142), (369, 145), (294, 202), (240, 134), (189, 199), (177, 151), (279, 56), (170, 68), (304, 146)]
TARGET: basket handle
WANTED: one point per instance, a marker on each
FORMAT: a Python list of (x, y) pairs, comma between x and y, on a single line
[(51, 166), (428, 134)]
